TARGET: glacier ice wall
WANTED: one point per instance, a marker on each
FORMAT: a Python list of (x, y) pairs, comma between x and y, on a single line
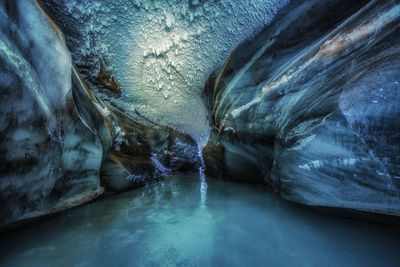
[(161, 52), (60, 145), (311, 107), (49, 160)]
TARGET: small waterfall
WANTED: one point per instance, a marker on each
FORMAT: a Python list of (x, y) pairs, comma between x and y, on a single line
[(203, 182)]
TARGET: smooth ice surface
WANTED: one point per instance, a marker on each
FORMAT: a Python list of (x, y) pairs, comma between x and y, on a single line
[(49, 160), (161, 51), (186, 222)]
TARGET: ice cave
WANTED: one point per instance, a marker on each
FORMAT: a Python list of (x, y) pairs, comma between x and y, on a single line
[(200, 133)]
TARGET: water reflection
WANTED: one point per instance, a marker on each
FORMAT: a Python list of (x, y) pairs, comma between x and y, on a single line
[(203, 182), (227, 224), (203, 188)]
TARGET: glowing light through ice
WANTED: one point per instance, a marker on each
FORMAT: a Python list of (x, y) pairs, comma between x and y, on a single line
[(162, 52)]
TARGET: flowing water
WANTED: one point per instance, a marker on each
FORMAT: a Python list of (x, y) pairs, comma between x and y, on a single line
[(192, 221)]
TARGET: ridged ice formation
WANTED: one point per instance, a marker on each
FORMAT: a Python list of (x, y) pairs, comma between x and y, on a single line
[(161, 51)]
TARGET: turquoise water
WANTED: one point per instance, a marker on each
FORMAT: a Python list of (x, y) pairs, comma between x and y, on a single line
[(186, 221)]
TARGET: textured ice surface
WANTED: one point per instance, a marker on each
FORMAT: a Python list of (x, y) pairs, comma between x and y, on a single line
[(314, 105), (49, 160), (162, 51)]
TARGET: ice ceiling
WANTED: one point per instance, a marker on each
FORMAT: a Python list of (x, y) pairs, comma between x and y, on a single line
[(162, 52)]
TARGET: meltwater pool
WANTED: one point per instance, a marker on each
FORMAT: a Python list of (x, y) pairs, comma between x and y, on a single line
[(189, 221)]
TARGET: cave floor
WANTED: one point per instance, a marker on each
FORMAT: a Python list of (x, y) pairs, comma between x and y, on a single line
[(189, 221)]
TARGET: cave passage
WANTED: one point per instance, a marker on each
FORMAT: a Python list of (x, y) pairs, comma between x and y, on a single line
[(200, 133)]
